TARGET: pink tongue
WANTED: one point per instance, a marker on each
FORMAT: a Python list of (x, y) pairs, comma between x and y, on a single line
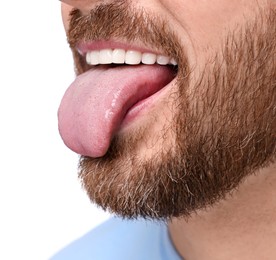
[(95, 104)]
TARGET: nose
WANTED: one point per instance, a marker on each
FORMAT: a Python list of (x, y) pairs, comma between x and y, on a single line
[(82, 4)]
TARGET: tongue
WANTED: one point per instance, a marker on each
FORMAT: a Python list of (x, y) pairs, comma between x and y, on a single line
[(96, 103)]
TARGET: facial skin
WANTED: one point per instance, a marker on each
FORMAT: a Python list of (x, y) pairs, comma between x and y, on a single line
[(209, 134), (212, 126)]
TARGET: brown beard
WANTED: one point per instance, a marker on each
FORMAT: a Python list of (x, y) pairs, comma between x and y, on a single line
[(222, 129)]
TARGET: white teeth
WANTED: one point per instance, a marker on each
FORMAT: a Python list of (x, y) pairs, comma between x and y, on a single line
[(133, 57), (130, 57), (118, 56), (163, 60), (88, 58), (93, 57), (106, 56), (149, 58), (173, 62)]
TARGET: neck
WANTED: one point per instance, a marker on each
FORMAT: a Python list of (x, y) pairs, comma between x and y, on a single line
[(241, 227)]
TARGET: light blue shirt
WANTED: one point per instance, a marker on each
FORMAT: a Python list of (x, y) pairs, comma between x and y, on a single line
[(119, 239)]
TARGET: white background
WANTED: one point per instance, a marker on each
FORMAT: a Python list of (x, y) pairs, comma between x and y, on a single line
[(42, 204)]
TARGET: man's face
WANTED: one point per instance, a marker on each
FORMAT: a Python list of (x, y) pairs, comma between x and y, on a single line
[(174, 103)]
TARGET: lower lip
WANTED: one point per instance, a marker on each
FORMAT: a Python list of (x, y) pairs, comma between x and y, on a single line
[(143, 106)]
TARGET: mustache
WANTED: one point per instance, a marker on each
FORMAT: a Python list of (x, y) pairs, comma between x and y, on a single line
[(120, 20)]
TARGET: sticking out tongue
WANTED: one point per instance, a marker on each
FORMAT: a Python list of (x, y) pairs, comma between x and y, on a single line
[(96, 103)]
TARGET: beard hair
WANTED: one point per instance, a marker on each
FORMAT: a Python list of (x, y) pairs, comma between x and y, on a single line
[(222, 130)]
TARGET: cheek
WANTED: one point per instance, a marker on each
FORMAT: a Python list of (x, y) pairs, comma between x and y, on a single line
[(65, 11)]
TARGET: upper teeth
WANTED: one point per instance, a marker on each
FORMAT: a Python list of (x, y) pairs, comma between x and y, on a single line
[(130, 57)]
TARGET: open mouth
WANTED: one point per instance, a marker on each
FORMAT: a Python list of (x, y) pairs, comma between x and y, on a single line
[(114, 58), (116, 86)]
